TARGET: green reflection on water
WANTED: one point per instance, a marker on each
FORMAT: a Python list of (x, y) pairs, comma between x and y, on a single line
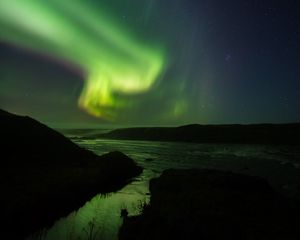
[(100, 216)]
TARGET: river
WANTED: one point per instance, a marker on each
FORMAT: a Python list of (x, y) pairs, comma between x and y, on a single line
[(100, 217)]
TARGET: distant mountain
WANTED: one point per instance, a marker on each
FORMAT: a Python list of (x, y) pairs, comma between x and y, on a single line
[(44, 176), (240, 134)]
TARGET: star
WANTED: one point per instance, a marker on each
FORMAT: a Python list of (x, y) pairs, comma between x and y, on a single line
[(228, 57)]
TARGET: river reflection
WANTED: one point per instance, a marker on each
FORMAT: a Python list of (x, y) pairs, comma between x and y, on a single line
[(100, 217)]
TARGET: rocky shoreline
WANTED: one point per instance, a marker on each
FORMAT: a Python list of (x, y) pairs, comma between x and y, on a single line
[(211, 204)]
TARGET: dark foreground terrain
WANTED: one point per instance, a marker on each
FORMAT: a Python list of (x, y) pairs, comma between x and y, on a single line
[(211, 204), (44, 175), (244, 134)]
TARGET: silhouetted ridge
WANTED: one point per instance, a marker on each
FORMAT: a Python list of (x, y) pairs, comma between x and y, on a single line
[(44, 175), (31, 136), (245, 134), (2, 112)]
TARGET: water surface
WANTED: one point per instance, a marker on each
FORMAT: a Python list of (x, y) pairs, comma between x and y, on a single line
[(100, 216)]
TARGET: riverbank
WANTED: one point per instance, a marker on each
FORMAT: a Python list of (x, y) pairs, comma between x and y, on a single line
[(211, 204), (45, 176)]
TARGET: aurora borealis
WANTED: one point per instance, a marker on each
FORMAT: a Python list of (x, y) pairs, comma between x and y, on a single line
[(113, 62), (150, 62)]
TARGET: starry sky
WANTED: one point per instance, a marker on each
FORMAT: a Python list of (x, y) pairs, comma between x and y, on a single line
[(89, 63)]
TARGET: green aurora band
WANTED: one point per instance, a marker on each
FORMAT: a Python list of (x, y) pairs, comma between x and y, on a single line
[(114, 62)]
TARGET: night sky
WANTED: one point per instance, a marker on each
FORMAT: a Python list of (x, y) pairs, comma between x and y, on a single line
[(150, 62)]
